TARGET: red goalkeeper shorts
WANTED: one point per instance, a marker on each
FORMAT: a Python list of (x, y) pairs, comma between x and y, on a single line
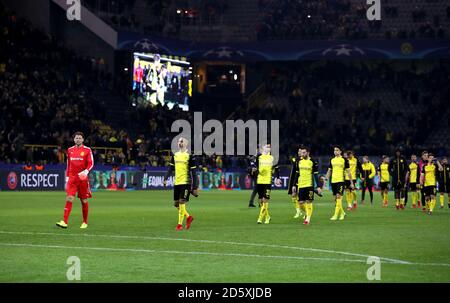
[(75, 185)]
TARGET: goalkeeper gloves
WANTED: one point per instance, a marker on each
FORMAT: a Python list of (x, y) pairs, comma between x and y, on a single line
[(83, 174)]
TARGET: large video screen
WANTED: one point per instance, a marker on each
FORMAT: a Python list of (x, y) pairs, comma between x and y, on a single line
[(160, 79)]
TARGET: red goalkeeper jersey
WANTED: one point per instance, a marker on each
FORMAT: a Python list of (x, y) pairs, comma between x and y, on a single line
[(79, 159)]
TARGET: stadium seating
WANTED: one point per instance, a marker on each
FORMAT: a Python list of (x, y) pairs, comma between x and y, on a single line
[(44, 99), (274, 20), (372, 109)]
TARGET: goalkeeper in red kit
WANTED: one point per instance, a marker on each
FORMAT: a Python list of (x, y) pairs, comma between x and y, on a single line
[(79, 162)]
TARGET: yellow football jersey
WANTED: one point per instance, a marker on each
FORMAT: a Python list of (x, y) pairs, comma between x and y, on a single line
[(265, 167), (384, 172), (413, 172), (338, 166), (368, 170), (182, 161), (353, 164), (429, 172), (306, 169)]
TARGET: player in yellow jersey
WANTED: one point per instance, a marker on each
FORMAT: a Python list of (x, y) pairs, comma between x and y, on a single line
[(337, 169), (444, 182), (300, 208), (185, 181), (367, 174), (354, 165), (414, 179), (307, 173), (265, 169), (383, 173), (428, 181)]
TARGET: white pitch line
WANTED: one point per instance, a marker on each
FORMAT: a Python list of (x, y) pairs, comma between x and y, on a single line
[(390, 260), (180, 252), (112, 249), (387, 260)]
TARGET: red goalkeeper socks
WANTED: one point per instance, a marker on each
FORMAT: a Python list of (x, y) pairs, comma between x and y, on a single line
[(67, 211), (85, 207)]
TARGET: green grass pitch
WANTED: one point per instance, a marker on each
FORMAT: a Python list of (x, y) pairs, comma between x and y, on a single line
[(132, 238)]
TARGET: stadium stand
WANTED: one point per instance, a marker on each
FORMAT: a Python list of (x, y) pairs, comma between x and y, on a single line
[(374, 107), (204, 20)]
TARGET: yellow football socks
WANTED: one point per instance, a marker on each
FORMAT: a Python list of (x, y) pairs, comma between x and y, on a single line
[(295, 203), (303, 207), (414, 198), (432, 204), (267, 210), (349, 197), (309, 210), (181, 211), (441, 200), (262, 212), (338, 207)]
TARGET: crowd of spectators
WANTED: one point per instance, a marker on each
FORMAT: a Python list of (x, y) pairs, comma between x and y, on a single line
[(280, 20), (45, 90), (336, 19), (162, 17), (355, 97), (46, 94), (115, 12), (313, 19), (423, 25), (300, 94)]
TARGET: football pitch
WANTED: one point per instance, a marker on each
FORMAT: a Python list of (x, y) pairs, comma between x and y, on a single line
[(132, 238)]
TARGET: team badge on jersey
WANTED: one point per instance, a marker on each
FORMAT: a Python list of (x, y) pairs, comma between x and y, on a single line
[(82, 154)]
